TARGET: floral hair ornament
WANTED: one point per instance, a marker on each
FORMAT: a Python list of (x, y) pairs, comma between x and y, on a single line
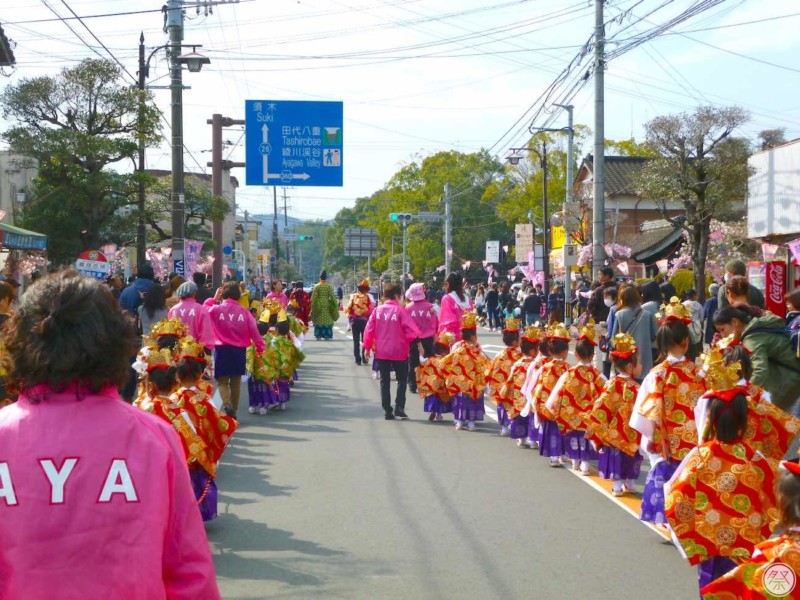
[(512, 325), (558, 331), (623, 346), (158, 359), (532, 334), (791, 465), (722, 379), (731, 342), (173, 327), (273, 306), (587, 332), (469, 321), (674, 311)]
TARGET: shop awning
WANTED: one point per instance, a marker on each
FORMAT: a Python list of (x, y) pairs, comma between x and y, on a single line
[(16, 238)]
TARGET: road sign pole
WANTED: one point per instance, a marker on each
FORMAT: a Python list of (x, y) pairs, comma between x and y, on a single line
[(403, 270)]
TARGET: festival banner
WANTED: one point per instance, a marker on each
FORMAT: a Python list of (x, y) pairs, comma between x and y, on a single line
[(191, 249), (794, 248), (769, 251), (662, 265)]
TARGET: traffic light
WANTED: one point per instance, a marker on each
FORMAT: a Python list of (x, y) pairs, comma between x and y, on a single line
[(305, 238), (400, 217)]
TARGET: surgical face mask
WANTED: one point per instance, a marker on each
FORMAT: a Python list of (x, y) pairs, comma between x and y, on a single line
[(608, 302), (726, 278)]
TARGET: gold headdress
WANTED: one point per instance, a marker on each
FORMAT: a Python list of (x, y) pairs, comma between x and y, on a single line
[(722, 379), (512, 325), (446, 338), (190, 348), (731, 342), (558, 331), (623, 346), (273, 306), (159, 359), (173, 327), (532, 334), (587, 332), (674, 311), (469, 321)]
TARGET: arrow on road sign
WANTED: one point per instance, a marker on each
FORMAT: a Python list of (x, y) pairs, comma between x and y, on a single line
[(265, 134), (286, 176)]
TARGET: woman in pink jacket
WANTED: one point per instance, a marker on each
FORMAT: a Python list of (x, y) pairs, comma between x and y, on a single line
[(389, 332), (276, 293), (93, 492), (453, 305), (426, 320), (194, 315), (234, 329)]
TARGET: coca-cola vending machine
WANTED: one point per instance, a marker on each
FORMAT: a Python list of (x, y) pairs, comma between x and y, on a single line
[(776, 279)]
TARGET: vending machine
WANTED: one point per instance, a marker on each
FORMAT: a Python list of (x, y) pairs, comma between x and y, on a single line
[(772, 279)]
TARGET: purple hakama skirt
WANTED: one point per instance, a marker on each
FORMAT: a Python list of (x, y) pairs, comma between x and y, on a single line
[(714, 568), (614, 464), (502, 416), (518, 427), (434, 404), (653, 495), (578, 447), (467, 409), (261, 393), (284, 390), (551, 442), (205, 492)]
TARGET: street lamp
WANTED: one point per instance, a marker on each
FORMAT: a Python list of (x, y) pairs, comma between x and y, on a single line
[(194, 62)]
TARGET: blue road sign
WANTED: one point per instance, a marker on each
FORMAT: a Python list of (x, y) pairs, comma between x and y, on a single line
[(293, 143), (227, 250), (179, 266)]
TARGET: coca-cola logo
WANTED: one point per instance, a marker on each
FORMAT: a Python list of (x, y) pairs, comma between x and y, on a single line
[(777, 283)]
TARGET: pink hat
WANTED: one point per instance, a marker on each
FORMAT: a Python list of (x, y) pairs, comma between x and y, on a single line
[(415, 293)]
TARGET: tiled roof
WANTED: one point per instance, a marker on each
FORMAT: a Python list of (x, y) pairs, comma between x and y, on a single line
[(654, 238), (621, 172)]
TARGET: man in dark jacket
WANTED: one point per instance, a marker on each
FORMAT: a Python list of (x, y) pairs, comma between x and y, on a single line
[(597, 307), (532, 307), (754, 295), (131, 296), (203, 293)]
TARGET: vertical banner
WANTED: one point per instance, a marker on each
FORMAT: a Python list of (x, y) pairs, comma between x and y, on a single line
[(191, 250), (775, 288), (794, 248)]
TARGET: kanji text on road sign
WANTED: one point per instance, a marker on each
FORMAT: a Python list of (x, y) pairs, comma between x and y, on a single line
[(294, 143)]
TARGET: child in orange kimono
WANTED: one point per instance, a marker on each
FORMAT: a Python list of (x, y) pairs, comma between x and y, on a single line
[(773, 569), (511, 393), (721, 500), (770, 430), (497, 372), (464, 370), (571, 401), (431, 383), (215, 428), (664, 409), (619, 458), (543, 425)]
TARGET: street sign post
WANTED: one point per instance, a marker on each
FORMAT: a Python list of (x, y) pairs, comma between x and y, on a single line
[(289, 237), (360, 242), (492, 251), (523, 241), (92, 263), (295, 143)]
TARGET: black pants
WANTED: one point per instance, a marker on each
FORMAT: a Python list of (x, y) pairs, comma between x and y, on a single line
[(358, 326), (385, 368), (413, 359)]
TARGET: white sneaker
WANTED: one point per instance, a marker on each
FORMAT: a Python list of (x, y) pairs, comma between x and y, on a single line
[(554, 462), (439, 418), (504, 431), (470, 425), (520, 443), (576, 464), (530, 443), (262, 410), (617, 489), (252, 410), (584, 468), (459, 425), (282, 406)]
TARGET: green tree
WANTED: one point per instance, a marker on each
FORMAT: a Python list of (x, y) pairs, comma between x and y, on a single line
[(75, 125), (702, 168)]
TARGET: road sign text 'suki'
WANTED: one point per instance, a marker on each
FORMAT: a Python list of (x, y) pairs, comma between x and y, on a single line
[(294, 143)]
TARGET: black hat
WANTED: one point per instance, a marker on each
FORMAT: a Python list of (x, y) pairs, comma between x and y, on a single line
[(324, 275), (297, 284)]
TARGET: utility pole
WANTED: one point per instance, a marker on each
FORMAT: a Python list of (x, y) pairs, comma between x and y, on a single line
[(448, 223), (568, 231), (218, 168), (598, 187), (174, 26), (141, 243), (285, 224), (546, 223), (275, 243)]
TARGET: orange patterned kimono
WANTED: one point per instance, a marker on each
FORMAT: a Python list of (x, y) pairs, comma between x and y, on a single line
[(464, 370), (358, 306), (548, 378), (182, 419), (722, 503), (770, 430), (608, 421), (768, 566), (213, 427), (497, 372), (511, 392), (431, 379), (670, 406), (572, 407)]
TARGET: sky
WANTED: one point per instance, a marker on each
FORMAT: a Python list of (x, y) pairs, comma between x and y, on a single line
[(422, 76)]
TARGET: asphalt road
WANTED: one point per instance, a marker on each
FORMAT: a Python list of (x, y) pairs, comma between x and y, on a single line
[(328, 500)]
